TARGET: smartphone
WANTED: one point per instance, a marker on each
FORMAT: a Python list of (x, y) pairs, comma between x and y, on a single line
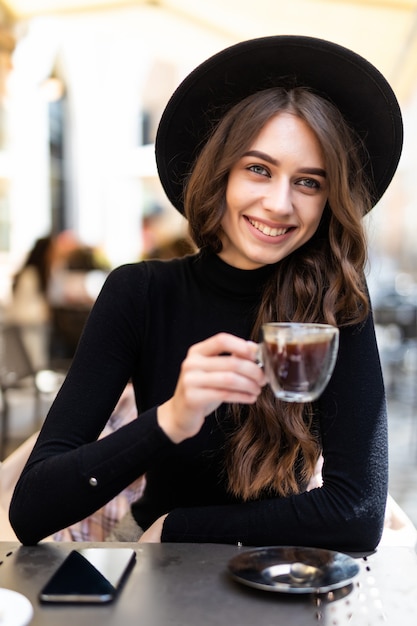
[(89, 575)]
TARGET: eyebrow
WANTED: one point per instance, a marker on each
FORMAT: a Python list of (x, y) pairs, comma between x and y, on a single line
[(318, 171)]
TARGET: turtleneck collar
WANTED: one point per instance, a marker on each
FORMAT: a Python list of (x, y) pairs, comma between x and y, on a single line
[(224, 278)]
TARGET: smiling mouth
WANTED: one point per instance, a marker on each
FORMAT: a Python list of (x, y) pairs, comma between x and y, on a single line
[(268, 230)]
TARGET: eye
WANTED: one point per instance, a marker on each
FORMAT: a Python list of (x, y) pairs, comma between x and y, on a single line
[(310, 183), (259, 169)]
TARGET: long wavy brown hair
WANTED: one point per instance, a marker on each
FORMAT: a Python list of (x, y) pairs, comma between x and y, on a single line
[(274, 447)]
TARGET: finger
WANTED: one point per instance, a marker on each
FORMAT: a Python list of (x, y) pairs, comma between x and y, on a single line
[(222, 381), (224, 343), (211, 398), (225, 364)]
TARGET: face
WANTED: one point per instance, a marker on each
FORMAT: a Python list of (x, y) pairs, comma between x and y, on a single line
[(275, 196)]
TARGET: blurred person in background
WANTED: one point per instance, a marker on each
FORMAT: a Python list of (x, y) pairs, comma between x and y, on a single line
[(29, 304), (77, 274), (171, 249), (161, 238)]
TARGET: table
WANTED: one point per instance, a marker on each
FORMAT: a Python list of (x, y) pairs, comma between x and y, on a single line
[(188, 585)]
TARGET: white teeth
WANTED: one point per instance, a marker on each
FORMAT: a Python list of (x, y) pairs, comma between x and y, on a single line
[(267, 230)]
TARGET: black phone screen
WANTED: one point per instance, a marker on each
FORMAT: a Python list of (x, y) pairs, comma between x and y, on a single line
[(91, 575)]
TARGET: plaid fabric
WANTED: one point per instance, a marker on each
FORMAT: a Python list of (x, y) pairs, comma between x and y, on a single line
[(96, 527)]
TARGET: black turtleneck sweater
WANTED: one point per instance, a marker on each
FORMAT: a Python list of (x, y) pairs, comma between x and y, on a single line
[(141, 326)]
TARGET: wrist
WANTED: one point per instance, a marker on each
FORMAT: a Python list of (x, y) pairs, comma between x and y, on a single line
[(166, 420)]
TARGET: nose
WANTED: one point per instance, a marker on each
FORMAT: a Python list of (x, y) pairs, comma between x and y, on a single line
[(278, 197)]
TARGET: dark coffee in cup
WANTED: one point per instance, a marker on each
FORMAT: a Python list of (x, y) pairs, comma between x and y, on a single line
[(298, 359)]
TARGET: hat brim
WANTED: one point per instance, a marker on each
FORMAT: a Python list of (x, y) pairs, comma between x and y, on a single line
[(353, 84)]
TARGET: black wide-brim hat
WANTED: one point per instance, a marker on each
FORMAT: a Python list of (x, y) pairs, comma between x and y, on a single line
[(354, 85)]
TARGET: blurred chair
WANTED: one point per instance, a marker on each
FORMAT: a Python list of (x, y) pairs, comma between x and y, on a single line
[(18, 372), (399, 530)]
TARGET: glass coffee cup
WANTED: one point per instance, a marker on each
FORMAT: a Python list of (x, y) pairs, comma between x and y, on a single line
[(298, 358)]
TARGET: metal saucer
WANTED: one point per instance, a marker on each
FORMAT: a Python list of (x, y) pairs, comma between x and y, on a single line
[(292, 569)]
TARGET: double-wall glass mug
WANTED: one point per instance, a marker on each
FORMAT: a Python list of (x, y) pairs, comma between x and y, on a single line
[(298, 358)]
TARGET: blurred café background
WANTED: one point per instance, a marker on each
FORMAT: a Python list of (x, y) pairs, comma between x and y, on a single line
[(82, 88)]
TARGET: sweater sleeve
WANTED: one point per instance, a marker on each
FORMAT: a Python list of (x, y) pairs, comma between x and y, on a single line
[(70, 474), (347, 512)]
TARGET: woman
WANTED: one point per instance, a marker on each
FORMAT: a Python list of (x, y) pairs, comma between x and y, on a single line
[(29, 307), (284, 161)]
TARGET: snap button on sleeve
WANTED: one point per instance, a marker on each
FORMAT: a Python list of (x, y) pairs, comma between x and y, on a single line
[(93, 481)]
